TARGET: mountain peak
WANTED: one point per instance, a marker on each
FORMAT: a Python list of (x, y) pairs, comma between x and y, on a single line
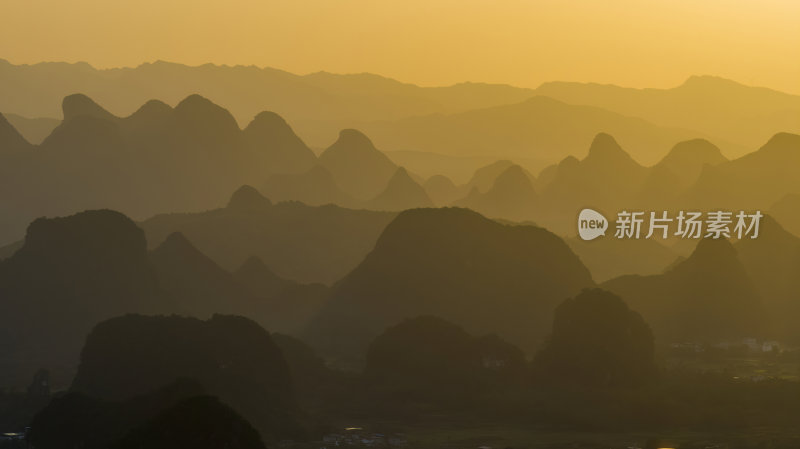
[(401, 175), (604, 145), (711, 253), (401, 193), (513, 179), (269, 120), (76, 105), (686, 159), (484, 177), (439, 181), (511, 196), (176, 243), (353, 138), (783, 143), (153, 107), (247, 198), (152, 113), (253, 264), (275, 142), (360, 169), (108, 233), (706, 81), (202, 112), (695, 149), (605, 150), (568, 163)]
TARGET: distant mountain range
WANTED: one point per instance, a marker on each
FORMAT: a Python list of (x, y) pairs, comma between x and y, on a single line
[(36, 90), (191, 157), (716, 106), (549, 122)]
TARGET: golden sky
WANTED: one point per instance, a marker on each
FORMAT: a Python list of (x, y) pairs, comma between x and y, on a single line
[(637, 43)]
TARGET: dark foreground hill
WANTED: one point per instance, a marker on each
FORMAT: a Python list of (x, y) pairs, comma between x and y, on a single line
[(597, 341), (233, 358), (180, 414), (71, 273), (426, 358), (456, 264)]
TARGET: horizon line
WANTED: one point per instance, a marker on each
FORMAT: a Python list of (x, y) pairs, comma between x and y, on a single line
[(388, 78)]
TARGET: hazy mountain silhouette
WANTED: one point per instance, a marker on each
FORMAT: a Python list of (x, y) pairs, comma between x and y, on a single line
[(426, 358), (70, 273), (297, 242), (157, 159), (317, 385), (511, 197), (177, 415), (271, 138), (283, 305), (401, 193), (686, 160), (716, 106), (233, 358), (707, 297), (597, 341), (11, 141), (78, 420), (314, 187), (693, 175), (787, 212), (607, 179), (202, 422), (356, 165), (326, 102), (677, 171), (458, 168), (456, 264), (322, 103), (484, 177), (540, 127), (441, 190), (195, 284), (79, 105), (773, 262), (247, 199), (754, 181), (34, 130), (610, 257)]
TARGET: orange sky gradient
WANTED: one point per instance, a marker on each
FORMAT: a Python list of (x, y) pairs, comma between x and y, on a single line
[(645, 43)]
